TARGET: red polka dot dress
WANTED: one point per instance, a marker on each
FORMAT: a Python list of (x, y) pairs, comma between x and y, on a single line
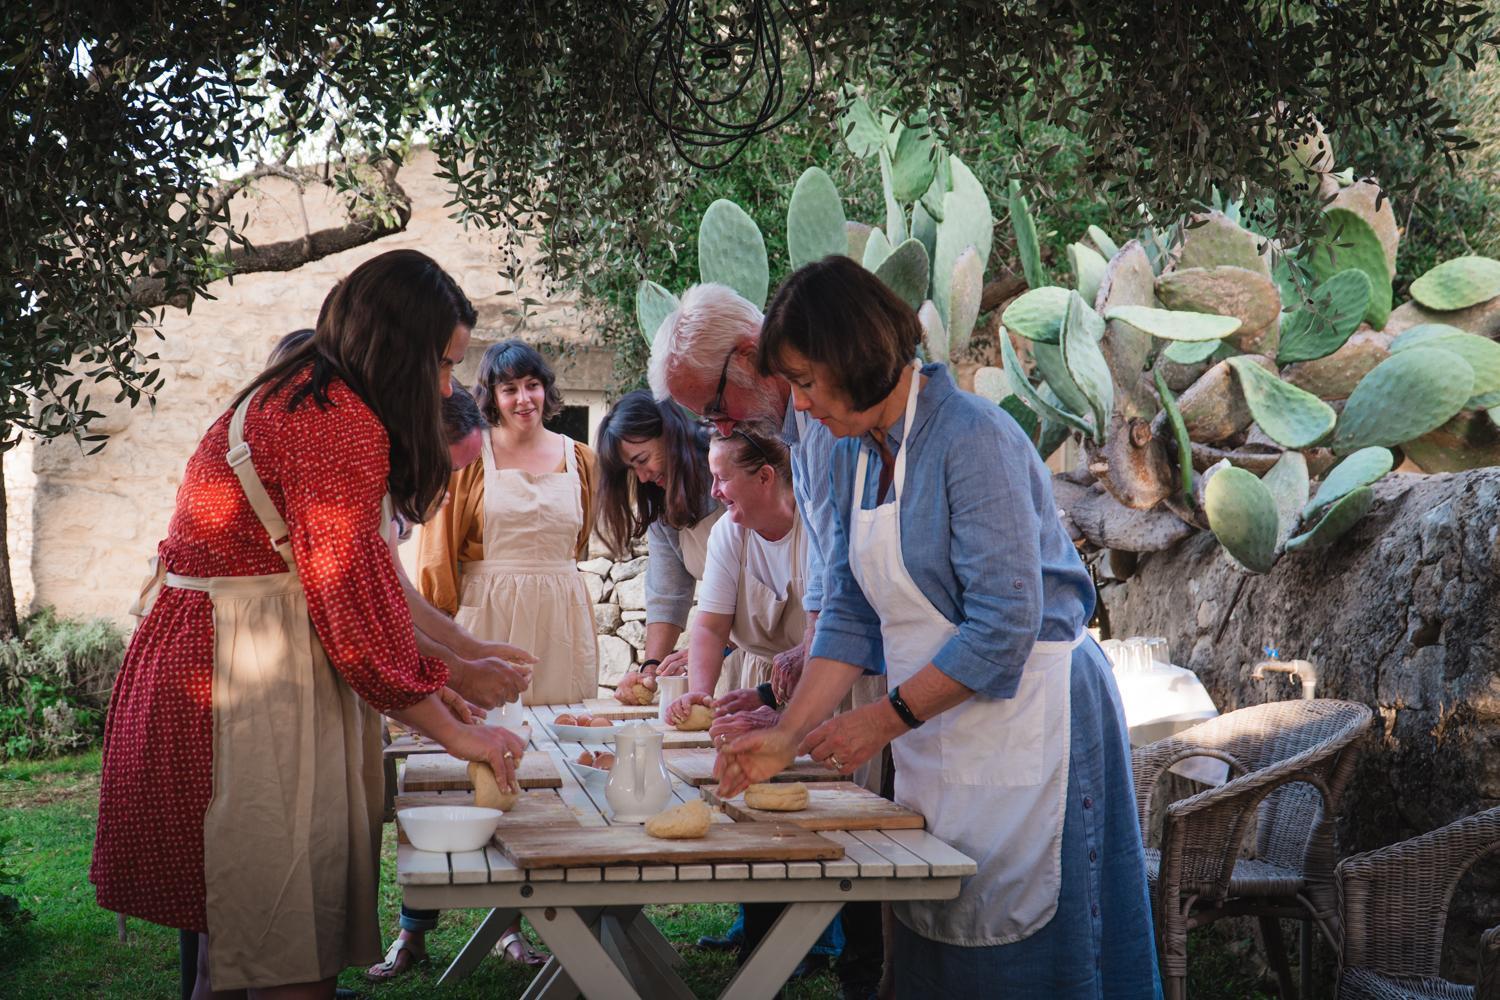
[(184, 690)]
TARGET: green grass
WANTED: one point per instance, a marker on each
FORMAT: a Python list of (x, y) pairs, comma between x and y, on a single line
[(72, 948)]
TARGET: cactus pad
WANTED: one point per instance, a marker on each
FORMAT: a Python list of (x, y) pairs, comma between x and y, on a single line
[(1214, 240), (1351, 242), (965, 291), (1323, 325), (814, 219), (1339, 519), (1482, 354), (895, 216), (1047, 411), (1458, 283), (1088, 270), (924, 228), (1361, 468), (1288, 415), (877, 249), (1027, 246), (857, 234), (934, 334), (653, 304), (1179, 434), (1190, 352), (1403, 397), (732, 252), (863, 133), (1169, 325), (1082, 330), (1037, 314), (913, 162), (1107, 247), (1288, 483), (1249, 296), (1242, 514), (966, 223), (991, 383), (905, 272)]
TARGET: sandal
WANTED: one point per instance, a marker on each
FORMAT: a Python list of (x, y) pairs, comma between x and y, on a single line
[(391, 966), (514, 947)]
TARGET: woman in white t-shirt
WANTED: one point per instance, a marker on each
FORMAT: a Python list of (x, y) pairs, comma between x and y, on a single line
[(753, 577)]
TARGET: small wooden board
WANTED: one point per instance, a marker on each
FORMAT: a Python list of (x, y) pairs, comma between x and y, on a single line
[(408, 743), (441, 772), (611, 709), (530, 847), (832, 805), (696, 767), (673, 739), (541, 807)]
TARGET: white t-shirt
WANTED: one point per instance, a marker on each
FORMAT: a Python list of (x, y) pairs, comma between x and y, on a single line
[(729, 547)]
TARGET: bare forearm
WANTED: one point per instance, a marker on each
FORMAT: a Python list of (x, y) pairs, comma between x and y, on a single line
[(661, 639), (824, 685), (706, 651), (931, 692), (429, 718)]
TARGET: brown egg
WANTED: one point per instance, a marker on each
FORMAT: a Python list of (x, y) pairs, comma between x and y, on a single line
[(566, 719), (604, 760), (586, 758), (600, 723)]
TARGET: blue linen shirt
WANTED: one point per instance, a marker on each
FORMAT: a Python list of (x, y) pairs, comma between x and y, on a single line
[(811, 446), (980, 537)]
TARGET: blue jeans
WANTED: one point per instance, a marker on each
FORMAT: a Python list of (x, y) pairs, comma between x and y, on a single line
[(419, 920)]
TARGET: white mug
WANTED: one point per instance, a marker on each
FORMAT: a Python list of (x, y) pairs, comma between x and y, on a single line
[(670, 688), (508, 715)]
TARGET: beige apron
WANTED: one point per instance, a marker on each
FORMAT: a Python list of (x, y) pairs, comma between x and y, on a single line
[(291, 837), (766, 623), (694, 542), (528, 591)]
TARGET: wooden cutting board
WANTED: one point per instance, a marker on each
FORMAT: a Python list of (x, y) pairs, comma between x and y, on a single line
[(696, 767), (407, 743), (532, 847), (611, 709), (540, 807), (441, 772), (672, 739), (832, 805)]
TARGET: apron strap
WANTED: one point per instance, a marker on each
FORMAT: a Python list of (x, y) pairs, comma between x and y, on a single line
[(238, 458), (862, 466), (570, 454)]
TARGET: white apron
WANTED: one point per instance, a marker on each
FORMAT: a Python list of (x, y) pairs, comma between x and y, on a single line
[(765, 623), (291, 836), (527, 591), (990, 774)]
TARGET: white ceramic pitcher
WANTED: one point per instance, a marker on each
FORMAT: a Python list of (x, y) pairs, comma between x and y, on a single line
[(638, 784)]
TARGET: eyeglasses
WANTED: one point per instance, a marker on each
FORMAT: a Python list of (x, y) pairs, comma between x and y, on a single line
[(764, 458), (715, 408)]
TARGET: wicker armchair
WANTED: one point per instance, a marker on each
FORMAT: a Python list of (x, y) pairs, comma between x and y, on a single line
[(1288, 763), (1394, 903)]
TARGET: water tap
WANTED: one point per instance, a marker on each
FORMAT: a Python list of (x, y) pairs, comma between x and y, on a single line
[(1303, 669)]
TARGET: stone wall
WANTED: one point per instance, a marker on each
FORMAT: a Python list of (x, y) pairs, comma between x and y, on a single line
[(80, 528), (618, 592)]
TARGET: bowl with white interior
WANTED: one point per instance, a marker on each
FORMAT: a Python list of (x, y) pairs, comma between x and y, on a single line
[(584, 734), (448, 828)]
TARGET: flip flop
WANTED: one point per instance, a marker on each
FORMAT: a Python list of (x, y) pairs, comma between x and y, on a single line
[(387, 969), (525, 955)]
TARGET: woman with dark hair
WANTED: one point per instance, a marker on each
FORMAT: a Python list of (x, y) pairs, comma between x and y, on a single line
[(501, 556), (949, 570), (241, 793), (654, 482)]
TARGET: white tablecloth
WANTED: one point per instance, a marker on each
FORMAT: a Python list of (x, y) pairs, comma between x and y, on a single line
[(1165, 700)]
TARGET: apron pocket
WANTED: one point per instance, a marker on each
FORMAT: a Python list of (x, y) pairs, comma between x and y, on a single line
[(997, 741)]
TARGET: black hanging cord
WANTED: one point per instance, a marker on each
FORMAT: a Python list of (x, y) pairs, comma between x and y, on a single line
[(717, 84)]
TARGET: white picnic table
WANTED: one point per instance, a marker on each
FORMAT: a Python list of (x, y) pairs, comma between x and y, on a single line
[(592, 918)]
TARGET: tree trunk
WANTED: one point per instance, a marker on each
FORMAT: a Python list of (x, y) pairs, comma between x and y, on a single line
[(10, 625), (1403, 614)]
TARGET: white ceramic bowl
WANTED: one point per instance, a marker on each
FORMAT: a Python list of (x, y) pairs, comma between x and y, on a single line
[(448, 828), (584, 734), (593, 778)]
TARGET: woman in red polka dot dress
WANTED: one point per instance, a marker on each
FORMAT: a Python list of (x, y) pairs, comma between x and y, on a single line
[(242, 784)]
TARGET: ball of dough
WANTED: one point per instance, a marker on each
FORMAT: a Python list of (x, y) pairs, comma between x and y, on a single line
[(487, 791), (604, 760), (698, 720), (633, 689), (566, 719), (688, 821), (600, 723), (586, 758), (777, 796)]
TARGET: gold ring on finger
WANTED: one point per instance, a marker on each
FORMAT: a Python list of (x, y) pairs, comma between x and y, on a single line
[(838, 764), (509, 755)]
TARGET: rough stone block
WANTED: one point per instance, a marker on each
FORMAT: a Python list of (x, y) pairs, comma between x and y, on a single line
[(599, 567), (633, 633), (595, 586), (615, 658), (631, 594), (606, 618), (628, 570)]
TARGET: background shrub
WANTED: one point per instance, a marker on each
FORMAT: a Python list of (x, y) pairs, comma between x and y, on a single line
[(55, 681)]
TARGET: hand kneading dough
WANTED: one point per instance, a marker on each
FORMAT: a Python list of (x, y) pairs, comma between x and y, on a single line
[(699, 719), (487, 793), (777, 797), (688, 821)]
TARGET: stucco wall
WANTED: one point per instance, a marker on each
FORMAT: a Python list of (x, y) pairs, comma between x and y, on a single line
[(81, 528)]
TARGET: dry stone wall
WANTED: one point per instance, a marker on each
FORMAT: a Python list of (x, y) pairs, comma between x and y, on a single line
[(618, 591)]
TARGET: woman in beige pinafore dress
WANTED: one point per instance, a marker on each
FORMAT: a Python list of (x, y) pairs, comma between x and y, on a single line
[(502, 556)]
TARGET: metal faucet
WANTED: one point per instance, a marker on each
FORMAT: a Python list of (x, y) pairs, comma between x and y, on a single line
[(1305, 671)]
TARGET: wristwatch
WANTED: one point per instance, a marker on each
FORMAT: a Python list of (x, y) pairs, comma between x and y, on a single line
[(902, 708)]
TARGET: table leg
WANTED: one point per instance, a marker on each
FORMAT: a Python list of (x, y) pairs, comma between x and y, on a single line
[(587, 962), (778, 953), (552, 983), (652, 977), (647, 938), (478, 945)]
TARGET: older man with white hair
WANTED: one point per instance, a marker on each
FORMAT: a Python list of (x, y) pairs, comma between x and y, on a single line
[(705, 357)]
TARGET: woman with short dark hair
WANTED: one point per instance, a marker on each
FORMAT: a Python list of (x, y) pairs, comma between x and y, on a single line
[(242, 786), (950, 572), (502, 554), (654, 483)]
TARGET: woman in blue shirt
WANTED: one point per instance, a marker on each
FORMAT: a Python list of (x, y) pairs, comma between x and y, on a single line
[(949, 570)]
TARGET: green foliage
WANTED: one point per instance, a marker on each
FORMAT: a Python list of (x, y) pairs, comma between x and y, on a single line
[(1339, 519), (1361, 468), (1350, 242), (814, 219), (1289, 485), (1327, 321), (732, 252), (1169, 325), (1037, 314), (1290, 416), (55, 681), (1481, 353), (13, 916), (1405, 396), (1458, 283), (1179, 436), (1242, 513)]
